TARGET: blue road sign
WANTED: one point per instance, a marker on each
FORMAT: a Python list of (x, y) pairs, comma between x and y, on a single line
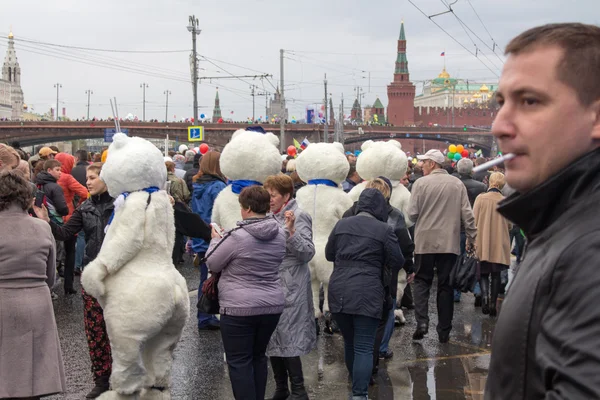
[(195, 133), (110, 132)]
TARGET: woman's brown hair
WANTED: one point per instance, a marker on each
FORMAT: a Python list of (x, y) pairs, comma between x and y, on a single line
[(209, 165), (14, 189), (282, 183), (256, 198)]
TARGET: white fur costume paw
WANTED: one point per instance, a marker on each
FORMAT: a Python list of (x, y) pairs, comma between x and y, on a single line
[(145, 299), (325, 201), (92, 279), (384, 159), (249, 158)]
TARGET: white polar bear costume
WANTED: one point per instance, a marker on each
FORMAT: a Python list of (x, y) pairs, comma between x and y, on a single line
[(145, 299), (248, 159), (323, 166), (386, 159)]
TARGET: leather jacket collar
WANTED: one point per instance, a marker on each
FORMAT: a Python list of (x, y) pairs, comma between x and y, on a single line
[(538, 209)]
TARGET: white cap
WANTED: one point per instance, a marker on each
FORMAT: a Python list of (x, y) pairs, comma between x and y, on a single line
[(168, 159), (434, 155), (182, 148)]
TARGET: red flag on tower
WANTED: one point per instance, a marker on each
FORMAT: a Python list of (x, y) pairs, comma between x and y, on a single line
[(443, 53)]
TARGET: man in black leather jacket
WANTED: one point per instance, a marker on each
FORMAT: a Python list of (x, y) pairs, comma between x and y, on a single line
[(547, 339)]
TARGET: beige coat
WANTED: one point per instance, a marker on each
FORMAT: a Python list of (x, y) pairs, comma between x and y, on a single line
[(438, 203), (493, 240), (31, 361)]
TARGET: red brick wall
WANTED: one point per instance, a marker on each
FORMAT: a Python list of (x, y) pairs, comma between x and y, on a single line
[(469, 116)]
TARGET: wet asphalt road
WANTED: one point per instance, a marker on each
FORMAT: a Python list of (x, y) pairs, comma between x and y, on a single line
[(456, 370)]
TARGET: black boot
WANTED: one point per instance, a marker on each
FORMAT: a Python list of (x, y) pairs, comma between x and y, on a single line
[(294, 369), (281, 378), (484, 283), (102, 386), (496, 283)]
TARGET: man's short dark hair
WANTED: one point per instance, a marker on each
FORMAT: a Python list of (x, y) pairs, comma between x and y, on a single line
[(82, 155), (55, 148), (51, 164), (580, 62), (256, 198)]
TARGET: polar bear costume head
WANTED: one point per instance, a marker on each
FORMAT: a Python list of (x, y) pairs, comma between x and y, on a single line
[(251, 156), (382, 159), (132, 164), (323, 161), (248, 159)]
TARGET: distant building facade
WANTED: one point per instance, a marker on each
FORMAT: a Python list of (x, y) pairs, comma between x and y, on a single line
[(11, 94), (275, 109)]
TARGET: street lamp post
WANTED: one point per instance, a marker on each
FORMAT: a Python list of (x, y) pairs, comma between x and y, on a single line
[(167, 93), (88, 92), (144, 86), (57, 86), (193, 29)]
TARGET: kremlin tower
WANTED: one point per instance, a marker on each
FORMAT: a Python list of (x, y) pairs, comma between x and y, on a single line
[(217, 110), (401, 92)]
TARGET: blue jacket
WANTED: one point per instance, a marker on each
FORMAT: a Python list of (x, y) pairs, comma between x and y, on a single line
[(206, 190)]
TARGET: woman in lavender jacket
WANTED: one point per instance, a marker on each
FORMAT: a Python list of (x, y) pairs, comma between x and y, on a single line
[(250, 294)]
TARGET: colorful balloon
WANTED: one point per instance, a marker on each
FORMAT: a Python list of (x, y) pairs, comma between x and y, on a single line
[(465, 153), (291, 150), (457, 157), (452, 148), (451, 155), (202, 116), (203, 148), (459, 148)]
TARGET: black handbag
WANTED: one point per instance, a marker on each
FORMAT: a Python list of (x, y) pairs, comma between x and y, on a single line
[(464, 273), (208, 299)]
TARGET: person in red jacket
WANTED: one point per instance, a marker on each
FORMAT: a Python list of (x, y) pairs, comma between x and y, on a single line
[(71, 189)]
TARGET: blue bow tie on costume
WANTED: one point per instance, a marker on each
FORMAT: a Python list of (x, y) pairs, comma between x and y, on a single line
[(322, 182), (239, 185), (149, 190)]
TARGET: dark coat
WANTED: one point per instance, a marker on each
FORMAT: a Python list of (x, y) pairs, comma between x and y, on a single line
[(474, 188), (545, 342), (189, 178), (78, 172), (360, 247), (54, 193), (92, 216)]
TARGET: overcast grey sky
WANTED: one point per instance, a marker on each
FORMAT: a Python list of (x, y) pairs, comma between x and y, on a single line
[(340, 38)]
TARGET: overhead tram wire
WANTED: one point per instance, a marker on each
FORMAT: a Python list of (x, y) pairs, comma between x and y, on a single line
[(453, 38), (104, 60), (462, 24), (102, 65), (484, 27), (96, 49), (477, 36)]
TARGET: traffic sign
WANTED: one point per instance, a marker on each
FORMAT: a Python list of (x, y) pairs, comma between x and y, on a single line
[(195, 133), (110, 132)]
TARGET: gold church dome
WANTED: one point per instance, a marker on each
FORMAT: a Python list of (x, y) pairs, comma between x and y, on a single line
[(24, 106), (484, 88), (472, 100), (466, 101), (10, 34), (444, 74)]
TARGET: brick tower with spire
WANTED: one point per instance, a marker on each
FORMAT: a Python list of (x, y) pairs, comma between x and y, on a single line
[(11, 72), (217, 110), (401, 92)]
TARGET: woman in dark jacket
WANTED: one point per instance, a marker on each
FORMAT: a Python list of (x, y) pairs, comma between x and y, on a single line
[(360, 247), (91, 216), (208, 183)]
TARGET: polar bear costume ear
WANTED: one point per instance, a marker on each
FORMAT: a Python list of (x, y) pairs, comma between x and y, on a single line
[(272, 138), (366, 145), (120, 140), (396, 143), (237, 133), (339, 146)]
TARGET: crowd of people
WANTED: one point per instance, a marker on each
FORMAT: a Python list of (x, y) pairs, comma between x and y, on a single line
[(545, 342)]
